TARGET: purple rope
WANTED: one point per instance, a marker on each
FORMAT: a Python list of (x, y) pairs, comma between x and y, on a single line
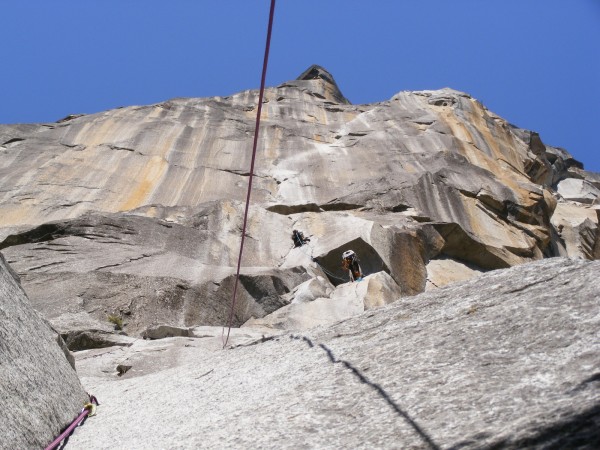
[(84, 412), (256, 130)]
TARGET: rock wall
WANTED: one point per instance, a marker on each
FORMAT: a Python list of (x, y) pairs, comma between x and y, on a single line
[(126, 224), (40, 392), (136, 213)]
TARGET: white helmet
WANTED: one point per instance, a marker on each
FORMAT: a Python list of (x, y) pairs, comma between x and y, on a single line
[(348, 254)]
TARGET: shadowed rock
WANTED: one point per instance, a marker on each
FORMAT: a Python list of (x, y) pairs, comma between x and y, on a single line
[(146, 271), (320, 83)]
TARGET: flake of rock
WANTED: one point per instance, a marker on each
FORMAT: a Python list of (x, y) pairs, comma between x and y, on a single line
[(443, 271), (164, 331), (86, 339), (578, 190)]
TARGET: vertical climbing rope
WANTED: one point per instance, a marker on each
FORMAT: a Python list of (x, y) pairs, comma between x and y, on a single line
[(256, 129)]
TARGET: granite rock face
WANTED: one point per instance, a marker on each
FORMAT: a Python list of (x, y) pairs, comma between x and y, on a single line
[(40, 392), (145, 271), (577, 230), (124, 227), (509, 359), (136, 213)]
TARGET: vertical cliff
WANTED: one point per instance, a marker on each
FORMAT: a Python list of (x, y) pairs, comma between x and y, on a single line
[(144, 202)]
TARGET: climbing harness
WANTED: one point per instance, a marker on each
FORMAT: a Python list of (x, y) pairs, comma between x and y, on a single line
[(89, 410), (256, 130)]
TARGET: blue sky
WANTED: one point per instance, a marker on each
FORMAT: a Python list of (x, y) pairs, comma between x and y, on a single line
[(534, 62)]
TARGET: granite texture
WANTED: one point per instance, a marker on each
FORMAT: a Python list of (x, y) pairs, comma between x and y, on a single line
[(40, 392), (509, 359)]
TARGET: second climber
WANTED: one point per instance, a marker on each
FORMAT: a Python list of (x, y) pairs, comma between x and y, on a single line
[(350, 263), (299, 239)]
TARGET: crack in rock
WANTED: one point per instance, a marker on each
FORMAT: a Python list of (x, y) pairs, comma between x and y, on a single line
[(46, 265), (116, 147), (128, 260), (11, 142)]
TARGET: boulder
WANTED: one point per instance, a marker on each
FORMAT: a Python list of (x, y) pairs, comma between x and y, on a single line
[(310, 290), (165, 331), (345, 301), (85, 339), (40, 392)]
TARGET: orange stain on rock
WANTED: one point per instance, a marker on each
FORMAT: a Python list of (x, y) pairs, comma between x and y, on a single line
[(147, 179)]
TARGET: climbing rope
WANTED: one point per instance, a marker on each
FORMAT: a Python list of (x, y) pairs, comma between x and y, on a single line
[(89, 409), (331, 274), (427, 279), (256, 130)]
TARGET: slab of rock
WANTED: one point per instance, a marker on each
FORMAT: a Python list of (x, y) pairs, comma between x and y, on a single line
[(165, 331), (512, 356), (509, 359), (441, 272), (40, 392), (149, 271), (150, 356), (578, 190)]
